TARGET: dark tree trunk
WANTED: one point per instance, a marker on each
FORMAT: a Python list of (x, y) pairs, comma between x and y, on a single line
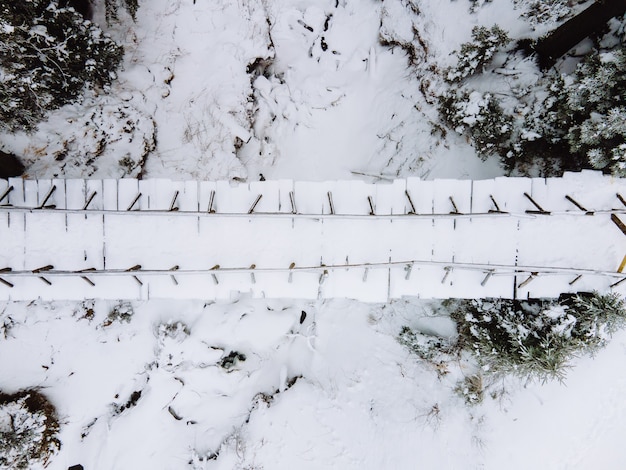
[(589, 21), (10, 165)]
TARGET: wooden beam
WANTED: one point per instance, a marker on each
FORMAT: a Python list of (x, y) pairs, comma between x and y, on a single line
[(408, 196), (616, 220), (591, 20), (6, 193), (622, 265), (540, 210), (254, 204)]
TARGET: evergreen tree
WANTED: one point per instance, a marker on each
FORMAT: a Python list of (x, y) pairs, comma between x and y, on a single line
[(48, 55), (537, 339), (474, 55), (583, 119)]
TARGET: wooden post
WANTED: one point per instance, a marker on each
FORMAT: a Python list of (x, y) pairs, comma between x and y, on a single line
[(622, 265), (6, 194), (495, 204), (252, 277), (527, 280), (616, 220), (291, 266), (174, 268), (540, 209), (134, 202), (571, 199), (456, 209), (487, 277), (575, 280), (408, 196), (49, 267), (365, 272), (251, 210), (447, 269), (619, 196), (323, 276), (213, 275), (89, 200), (85, 278), (173, 203), (615, 284), (369, 199), (292, 198), (211, 210), (408, 268), (6, 283), (48, 196), (330, 202)]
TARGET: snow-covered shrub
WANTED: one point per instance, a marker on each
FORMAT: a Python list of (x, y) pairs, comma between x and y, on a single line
[(543, 11), (48, 55), (536, 339), (121, 313), (471, 389), (597, 318), (105, 137), (112, 6), (176, 331), (28, 429), (474, 55), (582, 120), (476, 5), (425, 346), (480, 116)]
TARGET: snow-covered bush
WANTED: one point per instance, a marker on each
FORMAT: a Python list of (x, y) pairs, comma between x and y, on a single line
[(120, 313), (480, 116), (48, 55), (543, 11), (471, 389), (474, 55), (582, 120), (535, 339), (425, 346), (597, 318), (112, 6), (28, 429)]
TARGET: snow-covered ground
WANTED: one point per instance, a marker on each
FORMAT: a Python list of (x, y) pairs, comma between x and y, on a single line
[(331, 390), (306, 91)]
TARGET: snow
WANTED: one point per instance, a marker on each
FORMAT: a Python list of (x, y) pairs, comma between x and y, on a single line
[(323, 100), (362, 401), (147, 239)]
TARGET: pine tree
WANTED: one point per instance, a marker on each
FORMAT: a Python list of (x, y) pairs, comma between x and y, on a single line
[(583, 119), (474, 55), (48, 56), (537, 339)]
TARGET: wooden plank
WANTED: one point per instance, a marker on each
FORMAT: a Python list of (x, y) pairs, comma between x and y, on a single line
[(588, 22), (622, 265), (616, 220)]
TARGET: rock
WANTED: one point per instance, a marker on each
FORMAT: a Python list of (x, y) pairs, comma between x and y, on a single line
[(10, 165)]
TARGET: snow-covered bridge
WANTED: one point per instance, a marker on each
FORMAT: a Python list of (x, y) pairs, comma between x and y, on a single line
[(138, 239)]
